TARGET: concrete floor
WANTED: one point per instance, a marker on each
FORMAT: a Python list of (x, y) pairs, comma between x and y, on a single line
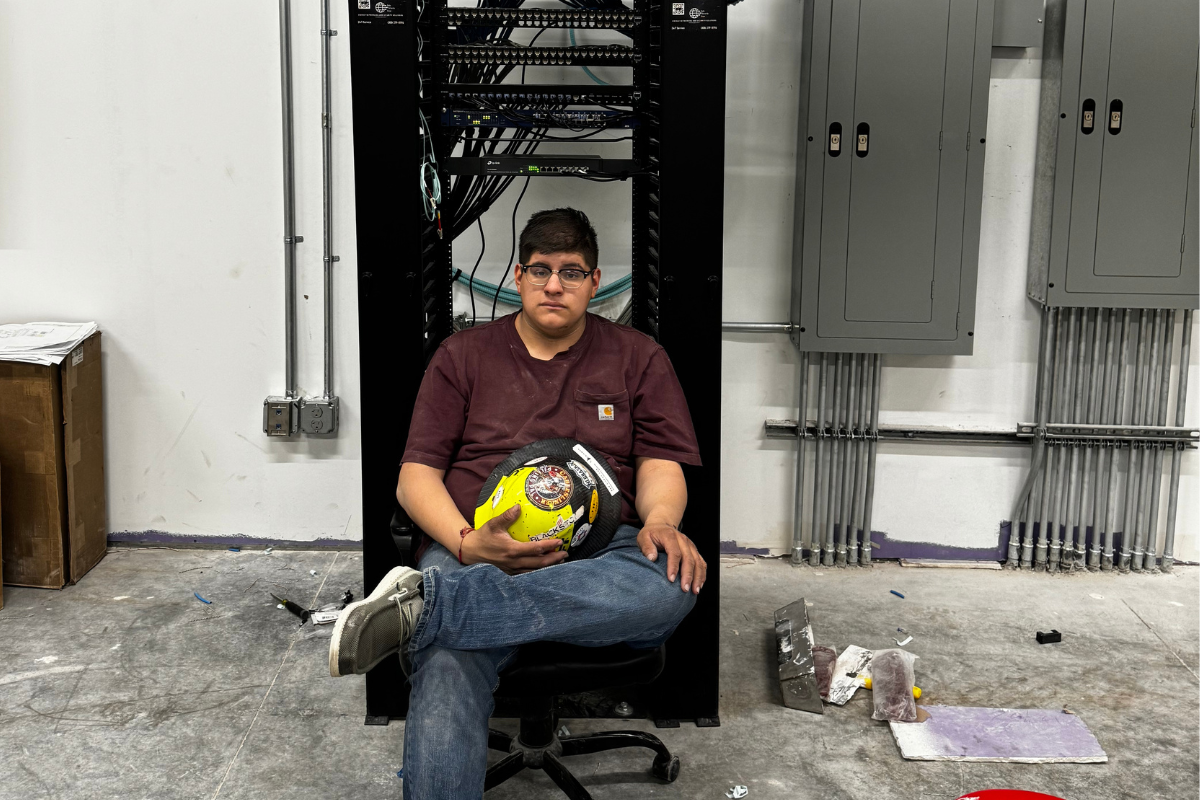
[(126, 686)]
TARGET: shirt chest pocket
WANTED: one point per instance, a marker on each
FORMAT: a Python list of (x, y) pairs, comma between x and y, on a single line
[(602, 420)]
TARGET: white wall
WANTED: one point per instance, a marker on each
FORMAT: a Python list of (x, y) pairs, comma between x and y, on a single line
[(140, 186)]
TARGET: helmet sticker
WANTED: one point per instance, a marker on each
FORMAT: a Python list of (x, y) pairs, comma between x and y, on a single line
[(582, 472), (496, 497), (537, 460), (609, 483), (580, 534), (594, 506), (549, 487)]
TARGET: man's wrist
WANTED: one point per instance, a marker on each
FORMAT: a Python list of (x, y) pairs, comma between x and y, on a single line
[(466, 531)]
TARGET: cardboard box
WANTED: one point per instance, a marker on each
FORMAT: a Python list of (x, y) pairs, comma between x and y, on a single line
[(52, 469), (1, 536)]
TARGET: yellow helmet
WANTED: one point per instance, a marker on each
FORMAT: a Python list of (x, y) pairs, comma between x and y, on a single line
[(561, 492)]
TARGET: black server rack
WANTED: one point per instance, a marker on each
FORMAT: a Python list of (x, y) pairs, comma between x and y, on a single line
[(407, 61)]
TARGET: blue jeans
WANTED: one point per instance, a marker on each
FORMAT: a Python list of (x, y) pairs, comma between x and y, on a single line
[(475, 618)]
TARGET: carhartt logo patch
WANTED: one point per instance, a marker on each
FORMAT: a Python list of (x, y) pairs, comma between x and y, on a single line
[(606, 411)]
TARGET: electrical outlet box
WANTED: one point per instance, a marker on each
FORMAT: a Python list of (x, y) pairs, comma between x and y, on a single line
[(319, 416), (279, 416)]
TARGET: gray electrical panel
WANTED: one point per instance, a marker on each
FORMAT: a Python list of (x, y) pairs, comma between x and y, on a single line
[(889, 174), (1017, 23), (1115, 204)]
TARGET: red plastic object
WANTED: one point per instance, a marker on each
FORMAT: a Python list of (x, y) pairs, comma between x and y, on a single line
[(1007, 794)]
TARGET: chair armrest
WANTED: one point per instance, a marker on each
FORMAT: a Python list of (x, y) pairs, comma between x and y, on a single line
[(407, 537)]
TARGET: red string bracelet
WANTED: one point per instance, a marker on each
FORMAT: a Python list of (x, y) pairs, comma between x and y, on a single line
[(462, 537)]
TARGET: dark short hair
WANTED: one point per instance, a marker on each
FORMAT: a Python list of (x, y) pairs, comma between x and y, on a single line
[(560, 230)]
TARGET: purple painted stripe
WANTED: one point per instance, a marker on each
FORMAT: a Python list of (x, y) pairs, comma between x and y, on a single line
[(890, 548), (731, 548), (236, 540)]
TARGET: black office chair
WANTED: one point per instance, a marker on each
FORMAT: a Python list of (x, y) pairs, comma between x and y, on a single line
[(541, 673)]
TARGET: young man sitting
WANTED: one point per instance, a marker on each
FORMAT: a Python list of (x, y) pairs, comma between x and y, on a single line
[(549, 371)]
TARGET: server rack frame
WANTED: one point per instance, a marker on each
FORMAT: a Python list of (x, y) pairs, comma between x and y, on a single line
[(404, 277)]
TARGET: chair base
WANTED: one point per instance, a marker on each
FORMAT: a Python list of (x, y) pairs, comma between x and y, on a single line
[(547, 757)]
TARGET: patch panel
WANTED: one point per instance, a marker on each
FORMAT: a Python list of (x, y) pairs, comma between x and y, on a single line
[(534, 118)]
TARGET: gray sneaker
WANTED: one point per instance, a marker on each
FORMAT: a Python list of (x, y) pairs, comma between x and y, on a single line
[(372, 629)]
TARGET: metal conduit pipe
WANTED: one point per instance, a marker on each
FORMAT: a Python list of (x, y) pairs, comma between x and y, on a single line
[(844, 492), (869, 495), (1071, 515), (1053, 393), (1031, 493), (1185, 355), (819, 474), (801, 439), (327, 193), (1022, 514), (1114, 472), (1086, 512), (1137, 409), (860, 453), (756, 327), (831, 506), (1108, 392), (1087, 415), (1054, 466), (1164, 392), (1065, 410), (290, 239), (1149, 414)]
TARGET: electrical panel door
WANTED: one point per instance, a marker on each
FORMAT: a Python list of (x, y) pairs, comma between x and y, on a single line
[(892, 139), (1115, 224)]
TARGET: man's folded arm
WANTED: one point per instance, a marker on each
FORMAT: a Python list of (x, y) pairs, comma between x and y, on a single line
[(422, 493)]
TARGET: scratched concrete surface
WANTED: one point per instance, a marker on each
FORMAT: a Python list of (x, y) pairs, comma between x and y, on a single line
[(127, 686)]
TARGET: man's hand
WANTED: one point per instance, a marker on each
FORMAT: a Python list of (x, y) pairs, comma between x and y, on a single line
[(492, 544), (682, 557)]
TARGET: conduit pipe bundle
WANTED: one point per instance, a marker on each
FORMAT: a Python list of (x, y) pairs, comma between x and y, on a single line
[(1092, 501), (846, 434)]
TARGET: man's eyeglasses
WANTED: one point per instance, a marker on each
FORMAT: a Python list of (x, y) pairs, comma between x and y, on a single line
[(570, 278)]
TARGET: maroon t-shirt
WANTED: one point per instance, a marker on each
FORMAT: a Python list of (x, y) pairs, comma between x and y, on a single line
[(484, 396)]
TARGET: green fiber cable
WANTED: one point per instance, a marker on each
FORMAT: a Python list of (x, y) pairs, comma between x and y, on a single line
[(586, 71)]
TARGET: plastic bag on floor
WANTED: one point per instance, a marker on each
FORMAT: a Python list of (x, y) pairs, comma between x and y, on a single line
[(892, 685), (823, 659)]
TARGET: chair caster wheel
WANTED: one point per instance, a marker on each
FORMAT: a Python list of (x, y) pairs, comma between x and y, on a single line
[(666, 769)]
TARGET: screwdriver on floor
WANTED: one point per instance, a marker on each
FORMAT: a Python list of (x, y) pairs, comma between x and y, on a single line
[(302, 613)]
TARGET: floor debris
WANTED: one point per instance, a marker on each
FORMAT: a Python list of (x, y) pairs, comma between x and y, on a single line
[(737, 791), (1023, 736), (202, 600), (853, 661), (295, 608), (892, 686), (1049, 638), (897, 594), (948, 563), (797, 671)]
